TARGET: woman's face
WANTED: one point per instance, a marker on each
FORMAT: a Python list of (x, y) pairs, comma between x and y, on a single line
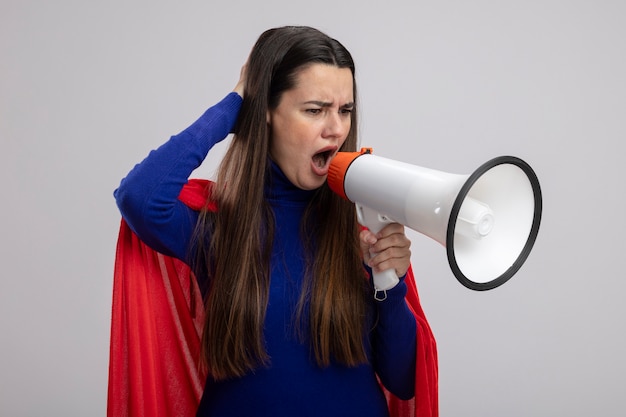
[(311, 123)]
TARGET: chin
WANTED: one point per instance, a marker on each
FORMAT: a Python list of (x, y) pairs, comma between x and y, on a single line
[(312, 185)]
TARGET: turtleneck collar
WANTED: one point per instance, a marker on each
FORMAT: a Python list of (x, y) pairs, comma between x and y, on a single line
[(279, 189)]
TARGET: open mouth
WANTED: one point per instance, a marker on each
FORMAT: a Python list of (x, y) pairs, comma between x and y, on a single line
[(322, 158)]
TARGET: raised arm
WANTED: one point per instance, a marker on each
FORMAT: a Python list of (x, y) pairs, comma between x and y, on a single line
[(148, 196)]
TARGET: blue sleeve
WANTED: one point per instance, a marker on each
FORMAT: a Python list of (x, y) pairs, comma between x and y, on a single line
[(148, 196), (394, 343)]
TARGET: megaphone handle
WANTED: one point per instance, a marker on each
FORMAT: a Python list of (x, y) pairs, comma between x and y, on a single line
[(375, 221)]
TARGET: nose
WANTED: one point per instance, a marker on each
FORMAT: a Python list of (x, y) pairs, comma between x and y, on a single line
[(335, 125)]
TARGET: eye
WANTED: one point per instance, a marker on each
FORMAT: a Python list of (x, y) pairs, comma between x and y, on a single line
[(314, 111), (346, 111)]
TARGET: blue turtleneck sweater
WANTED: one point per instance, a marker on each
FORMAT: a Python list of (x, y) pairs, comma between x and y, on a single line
[(293, 385)]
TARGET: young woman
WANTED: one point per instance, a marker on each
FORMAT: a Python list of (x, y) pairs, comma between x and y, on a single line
[(292, 327)]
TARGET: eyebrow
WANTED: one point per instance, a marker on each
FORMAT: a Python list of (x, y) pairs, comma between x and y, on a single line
[(328, 104)]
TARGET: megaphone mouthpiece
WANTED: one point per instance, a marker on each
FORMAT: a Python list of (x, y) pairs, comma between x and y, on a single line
[(339, 167)]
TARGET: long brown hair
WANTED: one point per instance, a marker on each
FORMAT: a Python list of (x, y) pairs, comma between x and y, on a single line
[(236, 255)]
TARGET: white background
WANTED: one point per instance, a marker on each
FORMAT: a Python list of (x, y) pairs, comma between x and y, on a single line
[(88, 88)]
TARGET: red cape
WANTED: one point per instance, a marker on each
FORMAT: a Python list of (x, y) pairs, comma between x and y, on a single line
[(157, 318)]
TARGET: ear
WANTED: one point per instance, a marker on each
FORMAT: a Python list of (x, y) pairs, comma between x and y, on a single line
[(268, 118)]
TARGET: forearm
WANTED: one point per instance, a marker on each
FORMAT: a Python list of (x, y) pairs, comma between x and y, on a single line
[(395, 343), (148, 196)]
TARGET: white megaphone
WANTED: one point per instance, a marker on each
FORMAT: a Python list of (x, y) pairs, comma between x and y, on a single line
[(488, 221)]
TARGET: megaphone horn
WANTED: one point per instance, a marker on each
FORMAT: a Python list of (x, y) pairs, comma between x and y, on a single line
[(488, 221)]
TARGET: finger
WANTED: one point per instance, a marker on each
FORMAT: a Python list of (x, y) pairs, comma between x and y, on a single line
[(391, 250), (390, 229), (394, 258), (398, 240), (394, 254), (366, 240)]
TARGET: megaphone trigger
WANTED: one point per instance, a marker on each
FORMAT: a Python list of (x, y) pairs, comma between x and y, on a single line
[(371, 219), (375, 222)]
